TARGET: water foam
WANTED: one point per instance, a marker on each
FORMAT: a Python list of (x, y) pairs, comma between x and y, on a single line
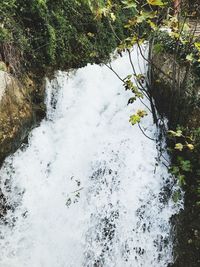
[(87, 189)]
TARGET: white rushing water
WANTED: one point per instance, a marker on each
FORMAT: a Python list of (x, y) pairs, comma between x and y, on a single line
[(87, 189)]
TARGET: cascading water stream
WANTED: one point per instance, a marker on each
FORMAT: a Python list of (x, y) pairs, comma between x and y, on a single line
[(87, 190)]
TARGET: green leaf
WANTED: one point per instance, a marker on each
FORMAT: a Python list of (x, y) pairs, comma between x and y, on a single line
[(176, 196), (175, 170), (186, 165), (131, 100), (181, 180), (128, 77), (113, 17), (129, 4)]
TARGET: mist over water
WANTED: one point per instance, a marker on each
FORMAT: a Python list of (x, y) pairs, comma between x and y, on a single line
[(87, 190)]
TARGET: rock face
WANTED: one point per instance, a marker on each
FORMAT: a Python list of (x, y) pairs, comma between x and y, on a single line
[(17, 112), (176, 90)]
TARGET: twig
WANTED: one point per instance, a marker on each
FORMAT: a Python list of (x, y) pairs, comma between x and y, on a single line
[(145, 133), (110, 67)]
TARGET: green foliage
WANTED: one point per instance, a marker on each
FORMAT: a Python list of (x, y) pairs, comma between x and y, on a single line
[(144, 17), (176, 196), (185, 165), (58, 34), (156, 2), (187, 50), (129, 85), (185, 151), (6, 19), (178, 135), (180, 169), (158, 48)]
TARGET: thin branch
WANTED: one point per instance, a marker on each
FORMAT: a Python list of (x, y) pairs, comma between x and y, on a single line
[(111, 26), (145, 105), (152, 64), (110, 67), (142, 89), (78, 190), (145, 133)]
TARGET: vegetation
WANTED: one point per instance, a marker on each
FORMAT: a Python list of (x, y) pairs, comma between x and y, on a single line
[(41, 36), (45, 35)]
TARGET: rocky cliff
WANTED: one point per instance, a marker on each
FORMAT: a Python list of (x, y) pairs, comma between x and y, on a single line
[(176, 90), (18, 112)]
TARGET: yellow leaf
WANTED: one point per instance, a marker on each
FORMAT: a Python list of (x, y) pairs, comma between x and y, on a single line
[(174, 34), (197, 45), (152, 25), (190, 57), (179, 146), (113, 17), (155, 2), (90, 34), (93, 54), (134, 119), (190, 146), (141, 113), (178, 133)]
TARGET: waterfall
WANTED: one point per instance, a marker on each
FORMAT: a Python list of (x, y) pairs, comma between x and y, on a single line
[(88, 189)]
